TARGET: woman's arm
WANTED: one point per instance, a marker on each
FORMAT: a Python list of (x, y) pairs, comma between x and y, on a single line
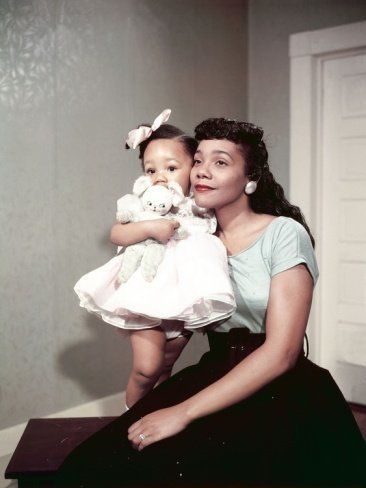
[(287, 315), (288, 311), (131, 233)]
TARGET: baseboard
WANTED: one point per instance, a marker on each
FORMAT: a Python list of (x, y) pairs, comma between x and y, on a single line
[(109, 406)]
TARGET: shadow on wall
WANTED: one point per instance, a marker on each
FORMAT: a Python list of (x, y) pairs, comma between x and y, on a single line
[(99, 364), (104, 242)]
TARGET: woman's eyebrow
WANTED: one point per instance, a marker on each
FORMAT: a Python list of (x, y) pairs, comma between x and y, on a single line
[(219, 151), (216, 151)]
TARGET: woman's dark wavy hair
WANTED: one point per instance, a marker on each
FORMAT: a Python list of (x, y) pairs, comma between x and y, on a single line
[(269, 196), (167, 131)]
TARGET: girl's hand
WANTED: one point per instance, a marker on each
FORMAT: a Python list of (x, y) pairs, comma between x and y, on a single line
[(157, 426), (162, 229)]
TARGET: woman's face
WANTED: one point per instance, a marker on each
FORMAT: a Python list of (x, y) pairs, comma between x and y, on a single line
[(218, 174), (167, 160)]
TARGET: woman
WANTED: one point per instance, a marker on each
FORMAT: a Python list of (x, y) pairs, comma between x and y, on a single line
[(254, 409)]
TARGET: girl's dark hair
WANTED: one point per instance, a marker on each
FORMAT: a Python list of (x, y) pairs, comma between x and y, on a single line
[(269, 196), (167, 131)]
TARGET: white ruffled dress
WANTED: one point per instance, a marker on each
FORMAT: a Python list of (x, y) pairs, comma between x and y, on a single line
[(192, 283)]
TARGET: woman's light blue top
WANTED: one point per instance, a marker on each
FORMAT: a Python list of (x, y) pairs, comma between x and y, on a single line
[(284, 244)]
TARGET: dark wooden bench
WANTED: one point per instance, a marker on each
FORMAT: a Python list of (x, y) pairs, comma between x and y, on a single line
[(43, 446), (45, 443), (359, 412)]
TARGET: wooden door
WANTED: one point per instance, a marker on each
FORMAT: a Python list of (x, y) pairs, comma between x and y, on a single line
[(342, 221)]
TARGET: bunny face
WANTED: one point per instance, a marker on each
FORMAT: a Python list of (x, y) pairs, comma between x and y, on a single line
[(157, 199)]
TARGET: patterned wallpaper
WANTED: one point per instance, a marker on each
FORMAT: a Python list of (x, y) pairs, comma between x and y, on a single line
[(75, 77), (46, 47), (27, 49)]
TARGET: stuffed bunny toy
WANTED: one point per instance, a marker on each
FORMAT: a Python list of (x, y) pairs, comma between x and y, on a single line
[(147, 202)]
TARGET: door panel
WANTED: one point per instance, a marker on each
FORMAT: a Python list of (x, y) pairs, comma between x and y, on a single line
[(343, 219)]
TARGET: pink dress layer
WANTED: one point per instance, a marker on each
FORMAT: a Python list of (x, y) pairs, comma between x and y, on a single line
[(192, 285)]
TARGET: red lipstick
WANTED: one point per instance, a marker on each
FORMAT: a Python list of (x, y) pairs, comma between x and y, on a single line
[(202, 188)]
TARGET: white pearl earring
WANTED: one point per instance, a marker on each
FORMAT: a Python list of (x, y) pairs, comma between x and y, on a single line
[(250, 187)]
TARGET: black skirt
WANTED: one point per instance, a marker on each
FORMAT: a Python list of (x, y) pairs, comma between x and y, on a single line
[(298, 431)]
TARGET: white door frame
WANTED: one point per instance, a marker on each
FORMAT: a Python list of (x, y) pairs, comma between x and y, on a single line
[(308, 51)]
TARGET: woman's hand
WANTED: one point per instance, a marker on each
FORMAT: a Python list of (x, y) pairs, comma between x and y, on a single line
[(157, 426)]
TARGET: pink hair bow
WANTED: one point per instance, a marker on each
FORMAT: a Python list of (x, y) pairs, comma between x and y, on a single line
[(136, 136)]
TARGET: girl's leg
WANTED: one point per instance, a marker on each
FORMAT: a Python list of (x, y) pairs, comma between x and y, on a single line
[(148, 347), (173, 350)]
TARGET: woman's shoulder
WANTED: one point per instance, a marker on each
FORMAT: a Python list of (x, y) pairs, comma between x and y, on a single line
[(286, 228), (288, 244), (282, 222)]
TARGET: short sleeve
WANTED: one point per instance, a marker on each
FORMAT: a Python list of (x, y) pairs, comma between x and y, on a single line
[(291, 246)]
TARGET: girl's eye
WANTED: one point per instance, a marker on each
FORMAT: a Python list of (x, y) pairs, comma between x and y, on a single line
[(150, 171), (196, 161), (220, 162), (171, 169)]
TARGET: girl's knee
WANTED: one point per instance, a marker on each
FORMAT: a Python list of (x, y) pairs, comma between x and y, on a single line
[(146, 373)]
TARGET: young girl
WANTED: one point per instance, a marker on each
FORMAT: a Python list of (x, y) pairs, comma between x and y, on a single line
[(191, 288)]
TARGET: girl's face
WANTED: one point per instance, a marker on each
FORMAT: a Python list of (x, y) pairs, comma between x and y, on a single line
[(167, 160), (218, 174)]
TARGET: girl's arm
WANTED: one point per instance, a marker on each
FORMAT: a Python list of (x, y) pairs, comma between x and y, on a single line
[(287, 315), (131, 233)]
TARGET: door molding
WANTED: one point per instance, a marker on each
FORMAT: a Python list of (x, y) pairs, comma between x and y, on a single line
[(308, 51)]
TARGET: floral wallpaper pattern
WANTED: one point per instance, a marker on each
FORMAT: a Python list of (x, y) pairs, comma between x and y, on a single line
[(46, 48)]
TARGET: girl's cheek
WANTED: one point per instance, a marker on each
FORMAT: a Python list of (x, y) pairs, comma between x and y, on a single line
[(192, 175), (186, 188)]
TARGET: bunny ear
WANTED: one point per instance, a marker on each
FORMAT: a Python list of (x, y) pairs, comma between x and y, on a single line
[(177, 192), (141, 185)]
